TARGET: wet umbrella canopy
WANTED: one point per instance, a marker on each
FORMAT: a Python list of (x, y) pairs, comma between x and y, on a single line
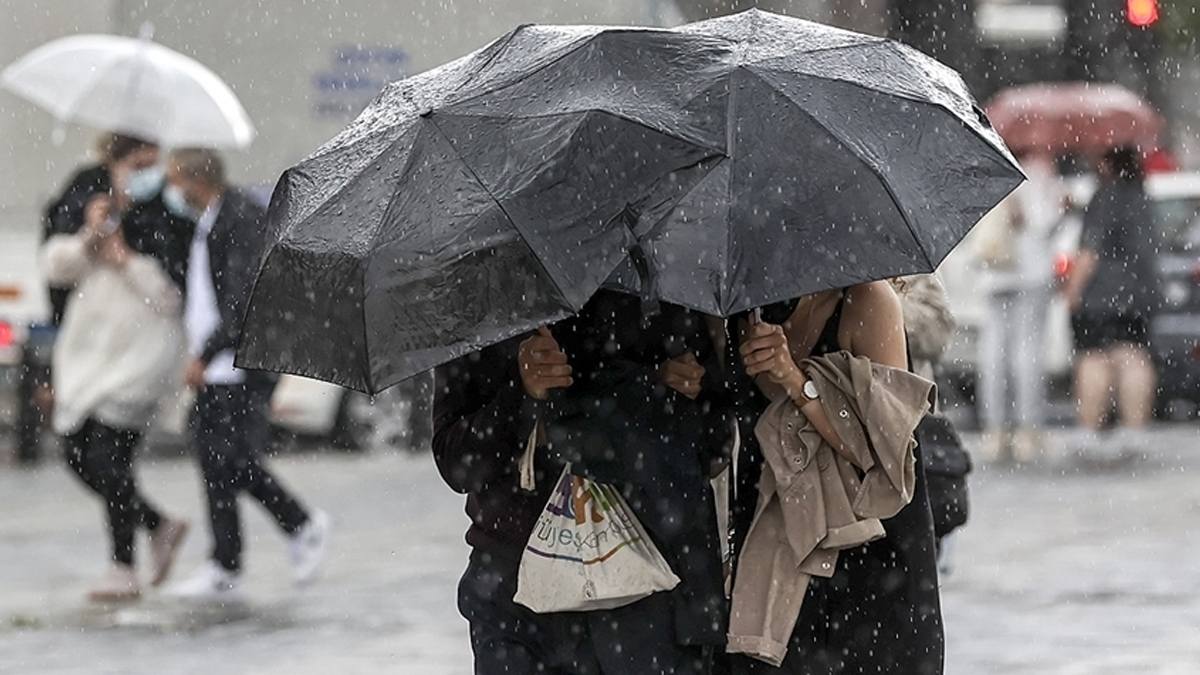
[(719, 166)]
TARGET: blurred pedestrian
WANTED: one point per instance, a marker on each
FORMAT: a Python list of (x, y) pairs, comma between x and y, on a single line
[(928, 326), (120, 351), (856, 587), (1113, 292), (146, 219), (614, 371), (231, 422), (1019, 275), (928, 321)]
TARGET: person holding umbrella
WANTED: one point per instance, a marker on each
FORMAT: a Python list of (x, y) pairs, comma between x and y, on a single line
[(879, 610), (613, 371), (231, 424)]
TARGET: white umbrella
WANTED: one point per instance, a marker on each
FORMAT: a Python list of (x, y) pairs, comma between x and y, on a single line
[(133, 86)]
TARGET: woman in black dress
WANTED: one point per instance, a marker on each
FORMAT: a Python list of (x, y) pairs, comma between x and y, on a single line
[(880, 612)]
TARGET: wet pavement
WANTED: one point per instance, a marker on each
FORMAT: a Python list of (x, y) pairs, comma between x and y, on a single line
[(1064, 568)]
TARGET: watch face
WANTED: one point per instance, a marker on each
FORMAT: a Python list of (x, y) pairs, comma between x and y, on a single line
[(810, 390)]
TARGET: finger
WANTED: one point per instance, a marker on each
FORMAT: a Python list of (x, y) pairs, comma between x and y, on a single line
[(687, 371), (757, 369), (764, 328), (690, 359), (548, 357), (759, 356), (551, 371), (540, 342), (554, 382), (769, 339)]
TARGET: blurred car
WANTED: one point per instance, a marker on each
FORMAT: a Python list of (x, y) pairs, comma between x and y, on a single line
[(1174, 333), (308, 413)]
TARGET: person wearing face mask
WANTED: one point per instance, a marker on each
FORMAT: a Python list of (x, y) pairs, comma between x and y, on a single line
[(145, 219), (119, 351), (230, 420)]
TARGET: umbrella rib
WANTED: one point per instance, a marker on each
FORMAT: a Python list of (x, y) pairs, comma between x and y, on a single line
[(92, 85), (876, 170), (508, 38), (499, 205), (525, 76)]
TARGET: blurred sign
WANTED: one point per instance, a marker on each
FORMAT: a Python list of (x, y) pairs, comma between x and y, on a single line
[(1021, 21), (356, 74)]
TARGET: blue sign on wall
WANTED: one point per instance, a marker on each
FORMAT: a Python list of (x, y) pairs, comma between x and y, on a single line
[(356, 74)]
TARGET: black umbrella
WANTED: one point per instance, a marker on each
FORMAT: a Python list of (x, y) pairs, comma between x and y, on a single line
[(848, 158), (480, 199)]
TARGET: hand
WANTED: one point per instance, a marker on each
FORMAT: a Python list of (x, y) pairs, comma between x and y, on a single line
[(543, 365), (683, 374), (113, 250), (765, 351), (97, 218), (193, 377)]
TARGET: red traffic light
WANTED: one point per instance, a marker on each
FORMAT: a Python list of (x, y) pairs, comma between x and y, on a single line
[(1141, 13)]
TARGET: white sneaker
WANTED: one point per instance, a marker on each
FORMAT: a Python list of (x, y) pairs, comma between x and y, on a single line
[(210, 583), (307, 546)]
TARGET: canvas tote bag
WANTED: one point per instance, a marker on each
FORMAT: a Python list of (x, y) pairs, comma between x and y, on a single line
[(588, 551)]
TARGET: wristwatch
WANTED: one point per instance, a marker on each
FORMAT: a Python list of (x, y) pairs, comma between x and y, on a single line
[(809, 392)]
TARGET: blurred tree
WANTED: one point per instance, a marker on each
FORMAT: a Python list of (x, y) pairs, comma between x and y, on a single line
[(1179, 25)]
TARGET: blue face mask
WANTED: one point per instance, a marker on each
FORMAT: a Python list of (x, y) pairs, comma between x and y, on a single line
[(141, 186), (177, 204)]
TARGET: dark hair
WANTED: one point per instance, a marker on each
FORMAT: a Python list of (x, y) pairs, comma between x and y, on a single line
[(114, 147), (1125, 162)]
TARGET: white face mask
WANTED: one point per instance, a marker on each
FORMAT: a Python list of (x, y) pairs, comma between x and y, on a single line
[(142, 185), (177, 204)]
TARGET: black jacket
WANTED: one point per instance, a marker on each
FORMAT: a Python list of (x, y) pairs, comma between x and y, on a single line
[(149, 228), (616, 424), (235, 246)]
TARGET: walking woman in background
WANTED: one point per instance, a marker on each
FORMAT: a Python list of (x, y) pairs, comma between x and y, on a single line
[(1112, 293), (119, 351), (834, 547)]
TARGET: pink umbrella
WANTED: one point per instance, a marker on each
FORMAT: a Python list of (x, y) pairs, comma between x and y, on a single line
[(1085, 117)]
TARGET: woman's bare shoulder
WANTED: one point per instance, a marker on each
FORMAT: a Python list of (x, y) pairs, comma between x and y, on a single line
[(872, 297)]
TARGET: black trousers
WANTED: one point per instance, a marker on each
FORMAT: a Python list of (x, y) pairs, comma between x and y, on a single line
[(102, 457), (510, 639), (231, 430)]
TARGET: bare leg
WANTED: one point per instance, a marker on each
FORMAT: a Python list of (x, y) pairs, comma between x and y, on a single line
[(1135, 383), (1093, 383)]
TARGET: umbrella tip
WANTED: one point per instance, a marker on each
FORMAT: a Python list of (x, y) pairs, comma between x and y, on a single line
[(146, 32)]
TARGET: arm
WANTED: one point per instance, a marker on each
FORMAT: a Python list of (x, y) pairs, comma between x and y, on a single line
[(1098, 220), (66, 258), (481, 417), (872, 327), (234, 256), (1081, 273)]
